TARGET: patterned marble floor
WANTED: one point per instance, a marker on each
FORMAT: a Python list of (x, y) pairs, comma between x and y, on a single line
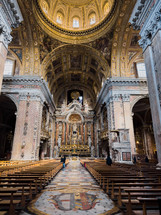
[(73, 191)]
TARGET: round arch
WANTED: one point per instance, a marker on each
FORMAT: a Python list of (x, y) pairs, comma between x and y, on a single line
[(143, 128), (8, 112)]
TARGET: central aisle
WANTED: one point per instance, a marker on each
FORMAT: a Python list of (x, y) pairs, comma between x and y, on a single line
[(72, 191)]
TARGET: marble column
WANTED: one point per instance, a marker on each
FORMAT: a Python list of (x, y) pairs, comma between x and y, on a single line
[(154, 96), (128, 121), (148, 141), (56, 135), (101, 118), (86, 138), (27, 131), (97, 138), (65, 130), (63, 133), (52, 132), (82, 134), (3, 54), (67, 133), (92, 134)]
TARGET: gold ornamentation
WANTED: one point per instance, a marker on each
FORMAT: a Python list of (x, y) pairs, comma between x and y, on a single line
[(86, 32), (74, 118), (75, 95)]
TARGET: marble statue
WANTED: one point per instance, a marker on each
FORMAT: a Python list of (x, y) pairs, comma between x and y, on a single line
[(92, 151), (89, 141), (59, 141)]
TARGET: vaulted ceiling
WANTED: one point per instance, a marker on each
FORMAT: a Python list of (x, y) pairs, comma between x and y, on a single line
[(76, 66)]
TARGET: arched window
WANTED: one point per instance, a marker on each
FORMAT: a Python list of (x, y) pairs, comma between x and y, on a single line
[(9, 67), (106, 8), (92, 18), (45, 6), (75, 22), (59, 18), (141, 70)]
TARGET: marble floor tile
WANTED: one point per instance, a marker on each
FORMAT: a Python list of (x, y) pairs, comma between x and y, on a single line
[(72, 191)]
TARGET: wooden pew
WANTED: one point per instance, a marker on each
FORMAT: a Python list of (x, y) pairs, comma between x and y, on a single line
[(119, 177), (25, 180), (128, 198), (9, 204), (152, 201)]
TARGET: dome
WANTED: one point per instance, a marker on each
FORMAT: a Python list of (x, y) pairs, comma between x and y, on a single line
[(75, 21)]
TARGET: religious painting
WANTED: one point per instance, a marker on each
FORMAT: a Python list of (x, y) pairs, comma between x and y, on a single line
[(75, 61), (124, 136), (126, 156), (74, 118)]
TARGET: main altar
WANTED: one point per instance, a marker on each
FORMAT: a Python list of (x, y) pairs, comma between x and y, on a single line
[(74, 130)]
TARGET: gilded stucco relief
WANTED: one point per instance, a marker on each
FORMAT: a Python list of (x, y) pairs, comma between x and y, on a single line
[(125, 43)]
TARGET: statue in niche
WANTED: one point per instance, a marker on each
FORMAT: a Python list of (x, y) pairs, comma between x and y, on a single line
[(59, 141), (55, 151), (92, 151), (89, 141), (74, 127), (60, 128)]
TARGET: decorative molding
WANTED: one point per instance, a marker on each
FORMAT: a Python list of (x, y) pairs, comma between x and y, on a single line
[(137, 18), (10, 16), (126, 98), (105, 94), (149, 22), (116, 98), (5, 29), (12, 11), (34, 86), (33, 96)]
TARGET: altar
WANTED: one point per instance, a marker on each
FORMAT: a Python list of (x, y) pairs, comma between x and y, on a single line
[(74, 130), (75, 150)]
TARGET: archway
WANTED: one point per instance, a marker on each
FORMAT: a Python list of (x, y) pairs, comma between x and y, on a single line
[(143, 129), (7, 126)]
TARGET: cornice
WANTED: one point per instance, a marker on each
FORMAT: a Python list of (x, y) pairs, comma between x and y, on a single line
[(147, 17), (151, 26), (118, 81), (5, 28), (12, 11), (30, 83), (10, 16), (22, 79), (125, 81), (140, 12)]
